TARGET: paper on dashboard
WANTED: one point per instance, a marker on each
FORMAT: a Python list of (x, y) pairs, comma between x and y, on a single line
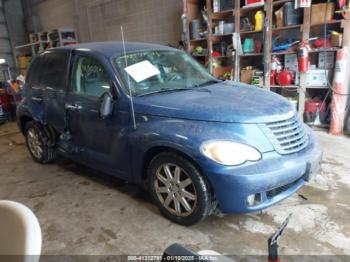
[(142, 71)]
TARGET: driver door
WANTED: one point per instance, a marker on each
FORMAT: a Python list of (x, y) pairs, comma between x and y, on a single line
[(96, 138)]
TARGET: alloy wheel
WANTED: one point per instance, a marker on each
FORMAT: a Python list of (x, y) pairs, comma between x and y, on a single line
[(34, 143), (175, 190)]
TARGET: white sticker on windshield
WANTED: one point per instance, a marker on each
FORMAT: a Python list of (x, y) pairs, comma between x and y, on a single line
[(141, 71)]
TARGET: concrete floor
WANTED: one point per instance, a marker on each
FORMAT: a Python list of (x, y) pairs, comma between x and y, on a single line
[(84, 212)]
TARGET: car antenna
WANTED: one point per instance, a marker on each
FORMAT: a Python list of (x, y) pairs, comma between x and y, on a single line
[(129, 87)]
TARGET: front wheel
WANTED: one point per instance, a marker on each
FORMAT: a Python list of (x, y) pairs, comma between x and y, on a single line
[(178, 189)]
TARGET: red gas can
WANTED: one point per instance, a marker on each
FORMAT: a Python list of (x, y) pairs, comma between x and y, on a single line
[(285, 77), (312, 105), (311, 108)]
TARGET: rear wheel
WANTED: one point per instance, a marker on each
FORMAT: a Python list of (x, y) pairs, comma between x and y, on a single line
[(178, 189), (37, 143)]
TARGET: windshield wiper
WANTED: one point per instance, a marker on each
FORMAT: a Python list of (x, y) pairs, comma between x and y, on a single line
[(207, 83), (165, 90)]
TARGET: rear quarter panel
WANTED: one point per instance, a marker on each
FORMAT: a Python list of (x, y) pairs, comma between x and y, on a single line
[(31, 109)]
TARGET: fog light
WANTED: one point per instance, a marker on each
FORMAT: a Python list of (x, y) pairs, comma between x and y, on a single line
[(253, 200)]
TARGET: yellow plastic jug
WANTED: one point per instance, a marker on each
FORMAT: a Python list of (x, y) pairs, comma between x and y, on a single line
[(259, 21)]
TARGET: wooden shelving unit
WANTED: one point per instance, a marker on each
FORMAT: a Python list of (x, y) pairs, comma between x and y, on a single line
[(251, 54), (262, 60), (249, 32), (39, 42), (286, 27), (280, 2)]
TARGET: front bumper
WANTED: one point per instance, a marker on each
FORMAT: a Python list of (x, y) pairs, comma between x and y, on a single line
[(274, 177)]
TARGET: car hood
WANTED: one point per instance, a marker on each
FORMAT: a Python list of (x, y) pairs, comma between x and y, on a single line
[(230, 102)]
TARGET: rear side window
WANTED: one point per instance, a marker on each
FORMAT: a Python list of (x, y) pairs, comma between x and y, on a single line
[(55, 70), (33, 75)]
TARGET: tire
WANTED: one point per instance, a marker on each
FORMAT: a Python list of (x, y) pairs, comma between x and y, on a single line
[(37, 143), (177, 200)]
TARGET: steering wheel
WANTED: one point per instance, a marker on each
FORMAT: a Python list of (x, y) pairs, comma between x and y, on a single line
[(174, 77)]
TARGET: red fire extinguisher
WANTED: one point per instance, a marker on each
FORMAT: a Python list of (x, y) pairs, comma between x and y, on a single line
[(303, 58), (274, 65)]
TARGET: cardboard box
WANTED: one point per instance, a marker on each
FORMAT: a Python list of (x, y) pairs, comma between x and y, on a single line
[(279, 17), (326, 60), (247, 75), (337, 40), (317, 77), (321, 13), (291, 62)]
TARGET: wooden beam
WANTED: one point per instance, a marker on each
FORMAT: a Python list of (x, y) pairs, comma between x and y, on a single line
[(210, 33), (267, 42), (236, 12), (305, 36)]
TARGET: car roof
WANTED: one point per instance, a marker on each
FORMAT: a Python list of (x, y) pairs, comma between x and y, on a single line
[(109, 49)]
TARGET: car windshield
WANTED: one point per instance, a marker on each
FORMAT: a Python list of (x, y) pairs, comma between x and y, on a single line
[(154, 72)]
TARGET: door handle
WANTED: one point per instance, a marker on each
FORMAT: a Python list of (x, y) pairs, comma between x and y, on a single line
[(38, 99), (73, 107)]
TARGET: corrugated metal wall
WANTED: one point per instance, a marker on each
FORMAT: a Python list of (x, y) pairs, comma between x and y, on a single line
[(99, 20), (5, 44)]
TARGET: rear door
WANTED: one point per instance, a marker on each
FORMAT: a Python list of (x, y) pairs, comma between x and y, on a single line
[(54, 83), (33, 91)]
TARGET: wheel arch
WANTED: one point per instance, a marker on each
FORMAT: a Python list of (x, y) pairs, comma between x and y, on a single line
[(156, 150), (48, 130), (23, 120)]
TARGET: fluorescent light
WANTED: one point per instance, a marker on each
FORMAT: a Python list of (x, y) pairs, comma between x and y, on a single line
[(2, 61)]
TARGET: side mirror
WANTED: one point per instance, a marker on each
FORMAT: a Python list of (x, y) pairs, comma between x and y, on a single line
[(106, 108)]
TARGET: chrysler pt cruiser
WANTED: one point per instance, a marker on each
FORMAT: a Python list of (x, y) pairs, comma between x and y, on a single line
[(153, 116)]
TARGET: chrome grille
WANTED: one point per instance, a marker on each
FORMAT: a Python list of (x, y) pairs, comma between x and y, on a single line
[(287, 136)]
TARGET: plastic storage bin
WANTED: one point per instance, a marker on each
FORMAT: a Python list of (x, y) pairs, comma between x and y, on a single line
[(291, 16)]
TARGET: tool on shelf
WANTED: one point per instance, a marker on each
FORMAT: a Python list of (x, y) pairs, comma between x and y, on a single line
[(281, 47), (246, 25)]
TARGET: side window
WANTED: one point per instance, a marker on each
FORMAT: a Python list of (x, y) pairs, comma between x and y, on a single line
[(89, 77), (33, 74), (55, 70)]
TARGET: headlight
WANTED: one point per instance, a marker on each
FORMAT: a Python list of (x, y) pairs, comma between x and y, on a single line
[(229, 153)]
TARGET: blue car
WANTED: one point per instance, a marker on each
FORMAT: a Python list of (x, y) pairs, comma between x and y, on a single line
[(153, 116)]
